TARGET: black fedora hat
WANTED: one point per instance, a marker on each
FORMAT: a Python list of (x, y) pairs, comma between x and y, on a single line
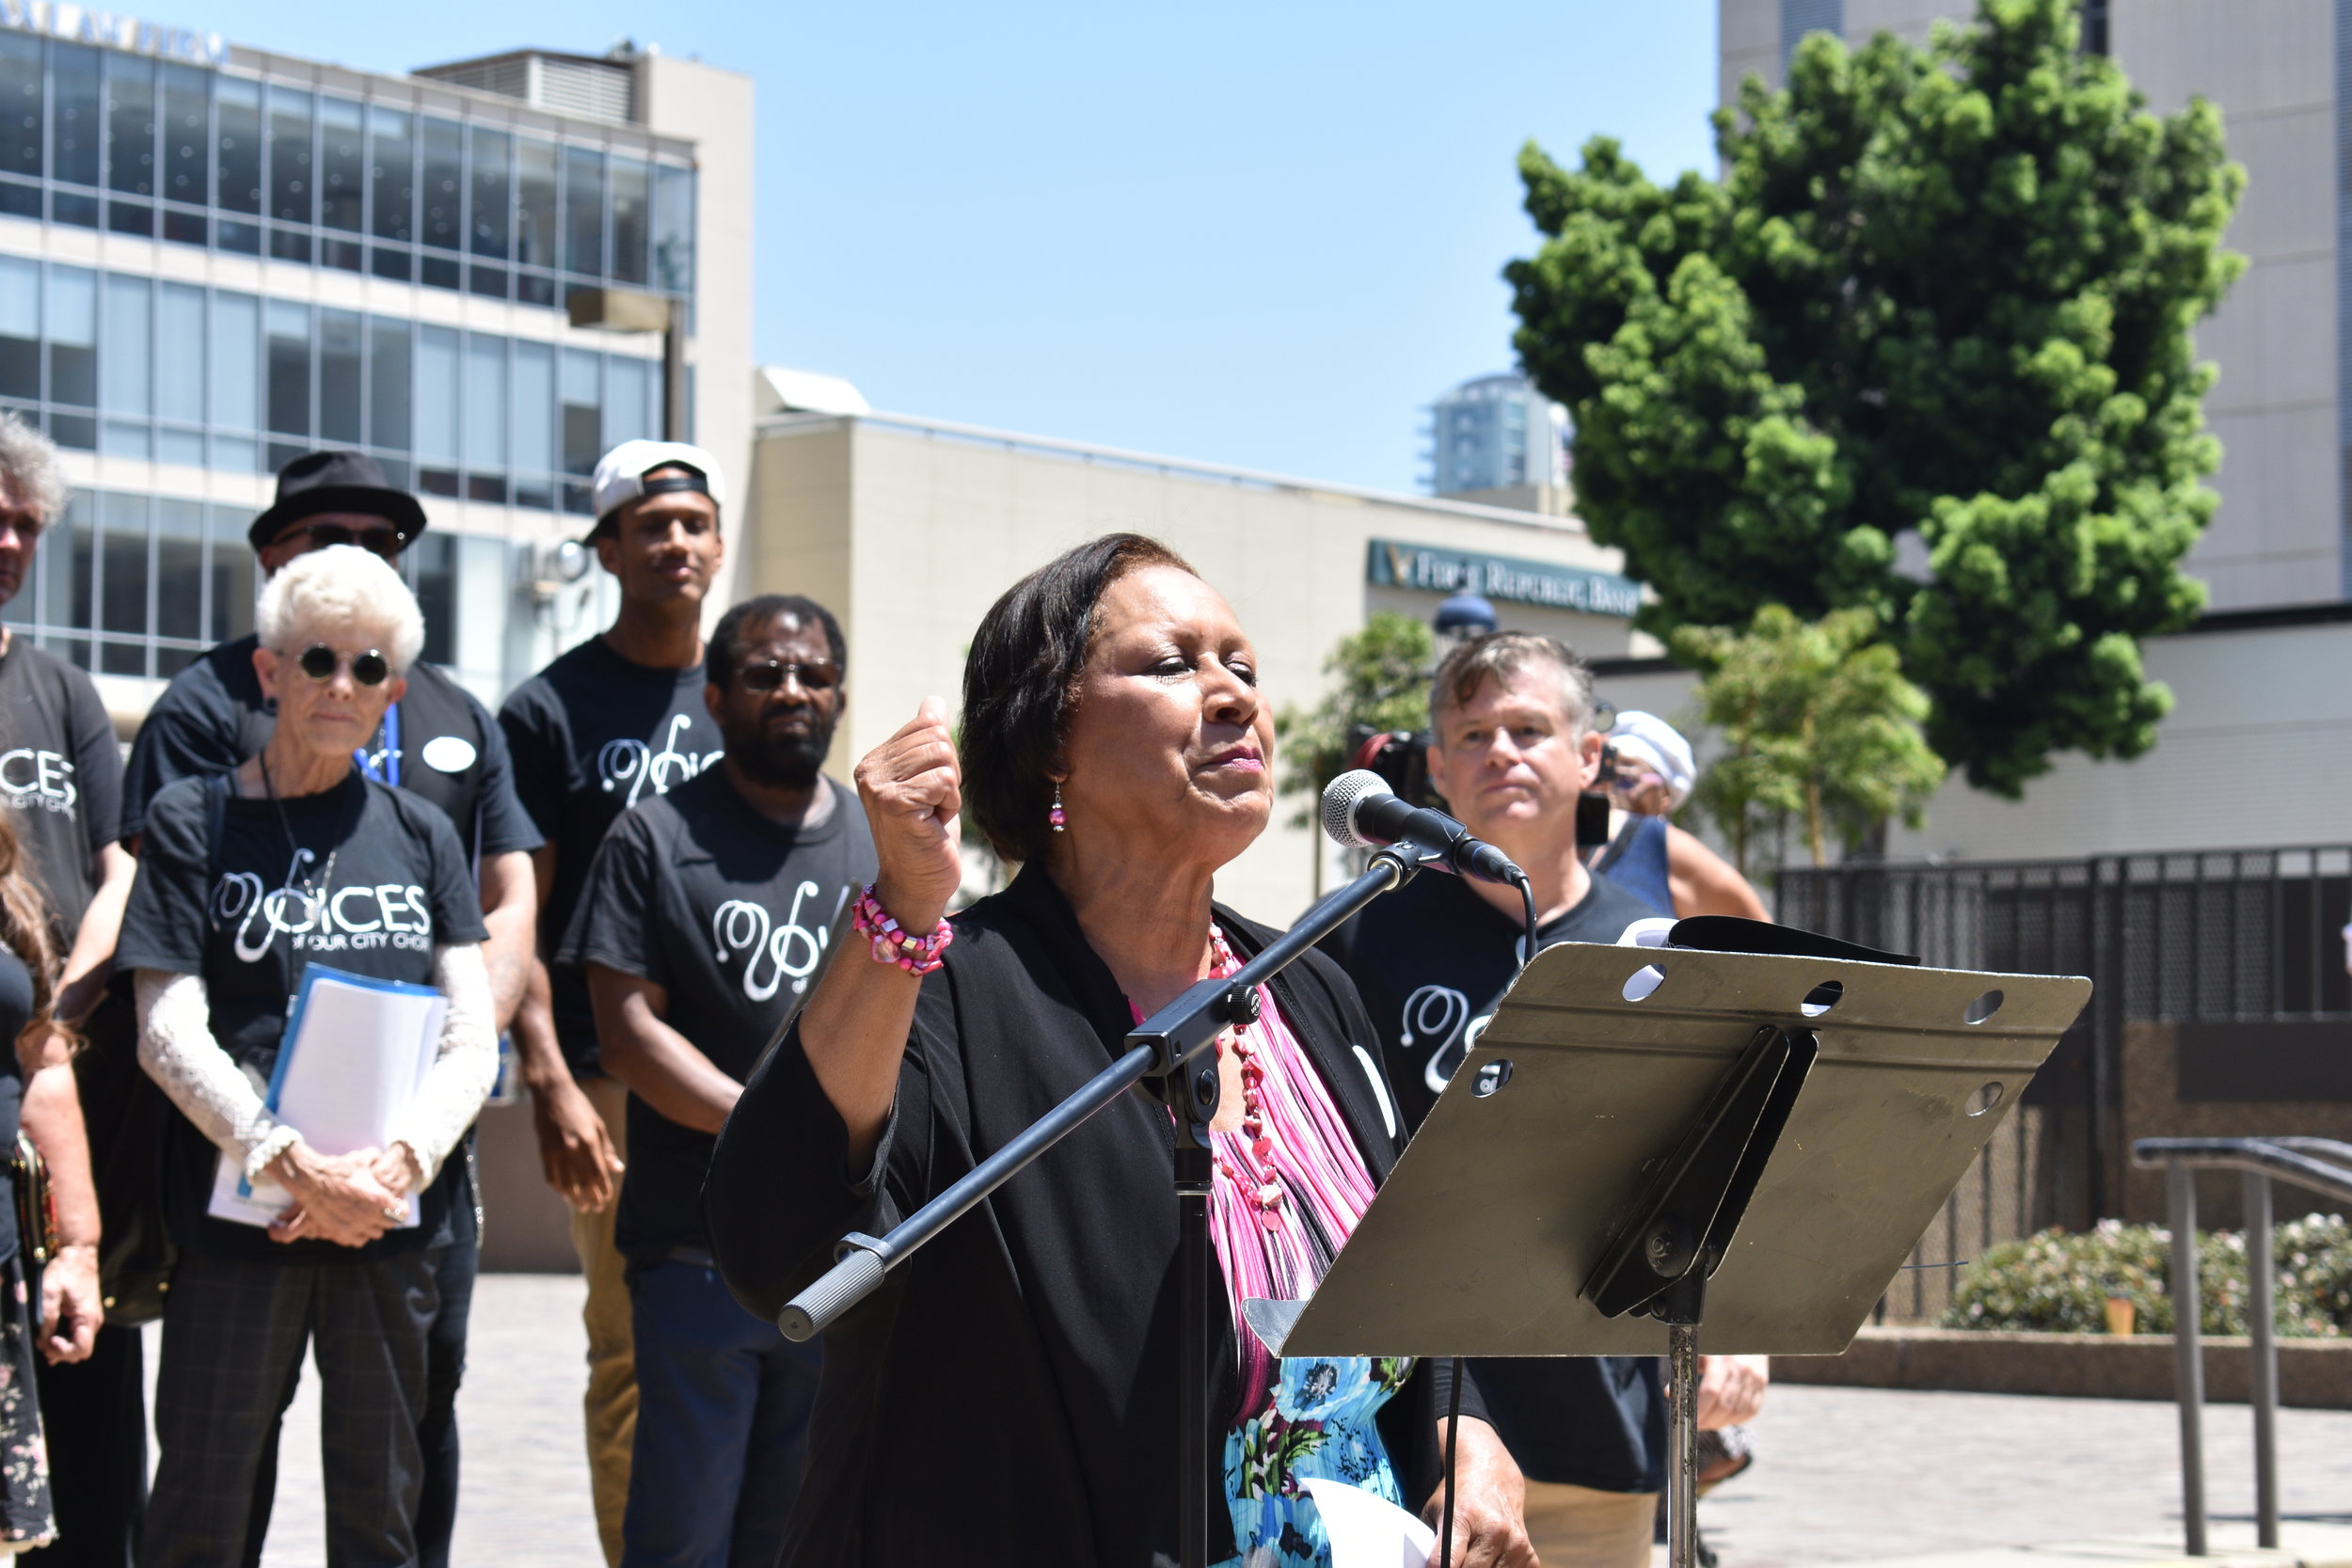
[(336, 482)]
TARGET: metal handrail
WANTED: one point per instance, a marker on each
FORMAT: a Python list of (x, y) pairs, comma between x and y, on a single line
[(2323, 1164)]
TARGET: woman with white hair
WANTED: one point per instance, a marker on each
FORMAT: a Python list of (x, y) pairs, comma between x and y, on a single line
[(247, 879)]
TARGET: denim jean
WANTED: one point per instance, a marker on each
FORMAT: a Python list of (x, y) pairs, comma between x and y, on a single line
[(722, 1409)]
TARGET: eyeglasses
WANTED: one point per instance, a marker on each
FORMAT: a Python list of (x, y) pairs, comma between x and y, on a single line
[(320, 662), (384, 541), (823, 676)]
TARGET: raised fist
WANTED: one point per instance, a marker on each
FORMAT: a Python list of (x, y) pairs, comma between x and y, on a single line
[(912, 789)]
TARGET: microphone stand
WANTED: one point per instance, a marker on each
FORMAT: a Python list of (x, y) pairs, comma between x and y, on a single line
[(1165, 1048)]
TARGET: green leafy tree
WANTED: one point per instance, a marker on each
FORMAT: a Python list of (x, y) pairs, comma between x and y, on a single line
[(1944, 290), (1821, 725), (1382, 679)]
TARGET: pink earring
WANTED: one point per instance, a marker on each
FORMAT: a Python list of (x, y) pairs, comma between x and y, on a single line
[(1058, 818)]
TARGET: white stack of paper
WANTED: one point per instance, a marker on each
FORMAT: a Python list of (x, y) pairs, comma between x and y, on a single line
[(355, 1052), (1368, 1531)]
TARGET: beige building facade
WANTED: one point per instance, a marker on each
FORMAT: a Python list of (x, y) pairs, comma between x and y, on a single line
[(910, 529)]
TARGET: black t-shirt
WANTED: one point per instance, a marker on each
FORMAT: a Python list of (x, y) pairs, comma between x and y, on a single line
[(1432, 960), (371, 881), (60, 775), (439, 742), (592, 734), (731, 913)]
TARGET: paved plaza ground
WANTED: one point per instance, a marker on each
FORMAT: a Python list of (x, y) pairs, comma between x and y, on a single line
[(1843, 1474)]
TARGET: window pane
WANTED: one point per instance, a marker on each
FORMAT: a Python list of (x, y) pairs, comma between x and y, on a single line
[(124, 587), (626, 412), (535, 203), (83, 586), (436, 396), (631, 222), (441, 187), (290, 186), (583, 420), (584, 211), (238, 105), (71, 316), (430, 564), (19, 327), (131, 124), (492, 152), (388, 384), (185, 100), (179, 353), (53, 564), (73, 80), (128, 378), (535, 409), (289, 368), (342, 169), (339, 377), (232, 574), (485, 404), (673, 230), (180, 568), (392, 164), (20, 104), (236, 361)]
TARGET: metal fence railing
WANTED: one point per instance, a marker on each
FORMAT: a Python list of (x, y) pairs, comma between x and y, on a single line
[(2203, 936)]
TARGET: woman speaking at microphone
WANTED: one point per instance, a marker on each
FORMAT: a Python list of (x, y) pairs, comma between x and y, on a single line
[(1009, 1394)]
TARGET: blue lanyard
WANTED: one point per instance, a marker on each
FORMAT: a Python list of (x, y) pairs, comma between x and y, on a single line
[(389, 737)]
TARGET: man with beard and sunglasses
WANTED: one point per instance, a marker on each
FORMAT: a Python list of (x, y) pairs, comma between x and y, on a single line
[(706, 919), (438, 742)]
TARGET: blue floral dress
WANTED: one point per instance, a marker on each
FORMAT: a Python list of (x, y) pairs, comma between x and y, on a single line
[(1320, 1427)]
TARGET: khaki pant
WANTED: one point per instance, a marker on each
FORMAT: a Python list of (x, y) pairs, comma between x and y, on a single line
[(1575, 1527), (611, 1400)]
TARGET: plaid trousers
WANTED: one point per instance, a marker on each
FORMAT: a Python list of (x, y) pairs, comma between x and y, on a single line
[(234, 1332)]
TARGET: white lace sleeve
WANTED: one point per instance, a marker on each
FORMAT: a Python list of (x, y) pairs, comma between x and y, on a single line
[(463, 1070), (177, 1048)]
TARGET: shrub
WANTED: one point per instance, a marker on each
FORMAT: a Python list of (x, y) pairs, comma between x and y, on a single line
[(2058, 1281)]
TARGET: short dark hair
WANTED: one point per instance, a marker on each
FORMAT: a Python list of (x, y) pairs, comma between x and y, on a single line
[(726, 649), (1019, 678), (1500, 654)]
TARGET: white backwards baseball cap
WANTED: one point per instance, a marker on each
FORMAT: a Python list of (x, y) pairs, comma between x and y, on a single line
[(621, 477), (1657, 746)]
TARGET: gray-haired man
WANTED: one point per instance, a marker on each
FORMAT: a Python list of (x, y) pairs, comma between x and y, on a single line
[(61, 782)]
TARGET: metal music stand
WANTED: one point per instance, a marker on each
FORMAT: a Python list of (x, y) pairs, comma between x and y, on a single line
[(1644, 1137)]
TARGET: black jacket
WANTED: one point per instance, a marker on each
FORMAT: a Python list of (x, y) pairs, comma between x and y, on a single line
[(1010, 1395)]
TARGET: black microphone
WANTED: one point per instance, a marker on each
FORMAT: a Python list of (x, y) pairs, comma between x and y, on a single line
[(1361, 810)]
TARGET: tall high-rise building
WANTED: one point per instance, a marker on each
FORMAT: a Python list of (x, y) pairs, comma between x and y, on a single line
[(1497, 432), (2281, 71), (215, 258)]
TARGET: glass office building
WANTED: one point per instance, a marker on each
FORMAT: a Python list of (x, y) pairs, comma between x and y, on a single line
[(210, 267), (1496, 433)]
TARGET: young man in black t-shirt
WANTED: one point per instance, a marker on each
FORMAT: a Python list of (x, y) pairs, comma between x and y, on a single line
[(1510, 715), (611, 724), (707, 917), (438, 743), (61, 783)]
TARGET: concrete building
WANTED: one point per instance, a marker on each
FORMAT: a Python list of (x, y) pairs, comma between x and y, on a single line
[(214, 257), (2281, 407), (909, 529)]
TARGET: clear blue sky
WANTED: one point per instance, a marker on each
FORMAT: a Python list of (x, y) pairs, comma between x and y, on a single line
[(1261, 234)]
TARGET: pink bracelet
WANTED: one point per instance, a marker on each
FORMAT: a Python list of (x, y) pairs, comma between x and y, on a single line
[(892, 945)]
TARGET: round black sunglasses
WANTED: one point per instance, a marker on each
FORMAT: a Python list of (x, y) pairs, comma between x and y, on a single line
[(320, 662)]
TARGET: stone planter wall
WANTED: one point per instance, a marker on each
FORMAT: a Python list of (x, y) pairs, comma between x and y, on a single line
[(2316, 1373)]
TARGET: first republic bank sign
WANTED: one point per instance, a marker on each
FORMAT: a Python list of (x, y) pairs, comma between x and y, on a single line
[(1437, 571), (113, 30)]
